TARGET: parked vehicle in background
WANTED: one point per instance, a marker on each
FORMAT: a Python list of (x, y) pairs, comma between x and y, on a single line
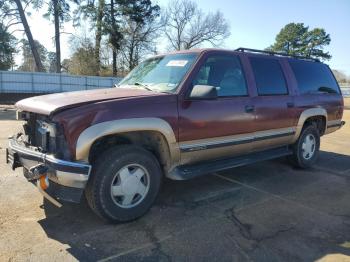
[(179, 115)]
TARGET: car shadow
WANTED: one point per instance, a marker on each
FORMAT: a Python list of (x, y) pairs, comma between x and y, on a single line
[(333, 162), (90, 238)]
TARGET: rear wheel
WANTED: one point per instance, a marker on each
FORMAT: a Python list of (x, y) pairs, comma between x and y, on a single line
[(124, 183), (306, 149)]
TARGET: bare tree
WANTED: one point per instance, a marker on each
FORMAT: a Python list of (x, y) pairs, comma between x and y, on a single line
[(98, 34), (60, 10), (80, 63), (29, 63), (14, 11), (341, 76), (139, 39), (186, 26), (95, 11), (56, 15)]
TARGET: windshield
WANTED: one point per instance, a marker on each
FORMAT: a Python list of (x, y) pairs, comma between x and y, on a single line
[(161, 73)]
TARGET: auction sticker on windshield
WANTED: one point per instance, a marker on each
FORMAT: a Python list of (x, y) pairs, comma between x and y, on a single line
[(180, 63)]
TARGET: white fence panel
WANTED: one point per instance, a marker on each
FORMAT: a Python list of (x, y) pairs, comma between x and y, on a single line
[(72, 83), (29, 82), (345, 91)]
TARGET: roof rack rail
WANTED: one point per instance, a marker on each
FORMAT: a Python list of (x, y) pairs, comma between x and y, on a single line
[(250, 50)]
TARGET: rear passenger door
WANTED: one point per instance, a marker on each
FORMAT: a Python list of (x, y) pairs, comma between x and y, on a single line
[(274, 103)]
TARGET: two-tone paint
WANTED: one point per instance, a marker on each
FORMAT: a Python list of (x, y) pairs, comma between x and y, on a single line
[(195, 130)]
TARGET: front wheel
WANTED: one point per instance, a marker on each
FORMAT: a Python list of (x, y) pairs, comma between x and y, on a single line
[(306, 149), (124, 183)]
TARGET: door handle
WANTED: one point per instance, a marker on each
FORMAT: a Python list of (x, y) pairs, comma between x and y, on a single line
[(249, 109), (290, 104)]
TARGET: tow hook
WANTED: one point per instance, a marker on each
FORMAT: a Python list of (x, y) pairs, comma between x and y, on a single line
[(37, 171)]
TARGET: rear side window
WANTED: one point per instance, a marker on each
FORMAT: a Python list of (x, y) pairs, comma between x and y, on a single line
[(269, 77), (313, 77)]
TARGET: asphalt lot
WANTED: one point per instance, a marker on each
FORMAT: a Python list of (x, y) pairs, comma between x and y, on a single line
[(268, 211)]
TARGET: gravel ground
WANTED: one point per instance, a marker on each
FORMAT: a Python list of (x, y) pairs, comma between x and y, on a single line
[(263, 212)]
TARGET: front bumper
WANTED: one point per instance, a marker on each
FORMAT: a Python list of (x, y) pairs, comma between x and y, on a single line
[(68, 178)]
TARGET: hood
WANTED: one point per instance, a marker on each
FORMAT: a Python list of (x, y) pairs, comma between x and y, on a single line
[(48, 104)]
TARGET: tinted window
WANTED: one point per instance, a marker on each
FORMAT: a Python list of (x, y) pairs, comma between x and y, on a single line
[(225, 73), (313, 77), (268, 76)]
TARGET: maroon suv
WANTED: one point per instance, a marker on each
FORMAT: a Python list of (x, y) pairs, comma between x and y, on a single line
[(178, 115)]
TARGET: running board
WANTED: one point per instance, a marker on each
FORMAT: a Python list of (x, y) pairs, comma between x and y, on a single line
[(185, 172)]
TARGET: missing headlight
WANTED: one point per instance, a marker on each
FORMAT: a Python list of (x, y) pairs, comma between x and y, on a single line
[(46, 136)]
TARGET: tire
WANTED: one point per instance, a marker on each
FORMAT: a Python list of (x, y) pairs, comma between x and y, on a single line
[(300, 157), (116, 176)]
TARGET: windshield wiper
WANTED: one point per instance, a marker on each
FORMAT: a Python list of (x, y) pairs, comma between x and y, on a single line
[(143, 86)]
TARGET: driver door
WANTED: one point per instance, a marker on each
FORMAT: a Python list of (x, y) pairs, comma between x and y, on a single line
[(216, 128)]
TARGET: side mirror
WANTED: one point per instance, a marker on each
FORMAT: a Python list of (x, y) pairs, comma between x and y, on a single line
[(203, 92)]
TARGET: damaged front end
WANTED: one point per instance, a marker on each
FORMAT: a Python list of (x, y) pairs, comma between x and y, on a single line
[(40, 149)]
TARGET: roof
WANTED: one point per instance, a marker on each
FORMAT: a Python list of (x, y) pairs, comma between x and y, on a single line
[(243, 50)]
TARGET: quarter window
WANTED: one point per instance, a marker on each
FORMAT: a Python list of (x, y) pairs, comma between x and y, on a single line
[(225, 73), (269, 77), (313, 77)]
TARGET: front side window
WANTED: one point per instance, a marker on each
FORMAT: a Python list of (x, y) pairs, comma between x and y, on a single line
[(269, 77), (313, 77), (161, 73), (225, 73)]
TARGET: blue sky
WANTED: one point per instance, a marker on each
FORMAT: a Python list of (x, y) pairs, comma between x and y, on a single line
[(254, 24)]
